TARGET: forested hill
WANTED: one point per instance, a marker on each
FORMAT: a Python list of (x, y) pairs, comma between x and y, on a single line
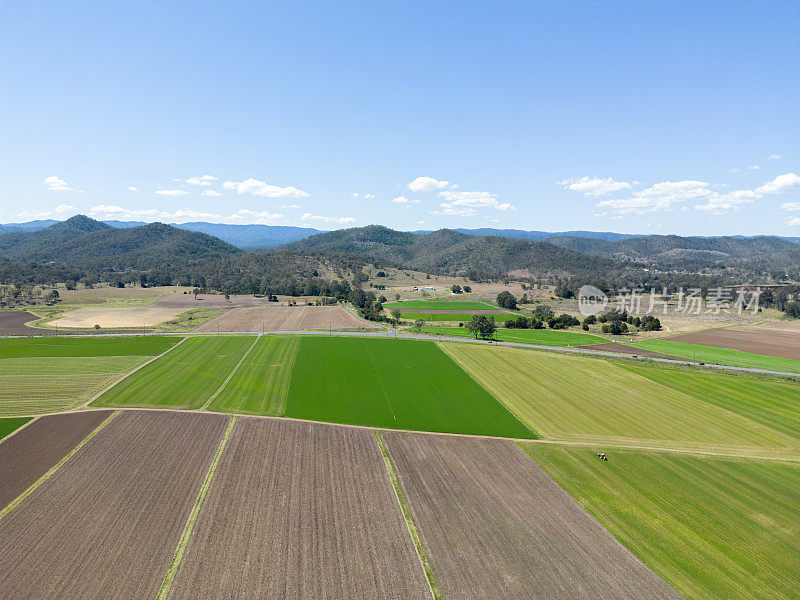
[(81, 242), (448, 251)]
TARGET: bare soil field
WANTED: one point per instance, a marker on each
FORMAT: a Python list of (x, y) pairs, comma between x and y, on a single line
[(496, 526), (300, 511), (12, 322), (106, 524), (628, 350), (188, 301), (31, 452), (285, 318), (112, 317), (771, 339)]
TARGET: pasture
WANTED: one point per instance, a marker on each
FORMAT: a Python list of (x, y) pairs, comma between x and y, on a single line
[(85, 346), (540, 337), (186, 377), (780, 339), (714, 529), (722, 356), (591, 400), (397, 384), (424, 305), (9, 425), (455, 317)]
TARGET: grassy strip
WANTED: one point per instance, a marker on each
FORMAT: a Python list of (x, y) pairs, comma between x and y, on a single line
[(232, 373), (403, 501), (163, 592), (191, 319), (541, 337), (721, 356), (55, 467), (440, 305), (460, 317), (9, 426)]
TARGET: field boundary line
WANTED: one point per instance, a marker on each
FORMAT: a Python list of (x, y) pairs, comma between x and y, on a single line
[(183, 543), (402, 501), (230, 376), (503, 404), (14, 503), (20, 428), (114, 382)]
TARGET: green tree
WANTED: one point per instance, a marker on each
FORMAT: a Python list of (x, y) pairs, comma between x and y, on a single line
[(505, 299), (793, 309), (456, 289)]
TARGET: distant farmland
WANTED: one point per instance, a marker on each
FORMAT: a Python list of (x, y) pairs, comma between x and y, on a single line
[(538, 337), (85, 346)]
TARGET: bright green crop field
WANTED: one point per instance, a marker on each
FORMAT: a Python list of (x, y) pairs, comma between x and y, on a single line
[(398, 384), (261, 384), (541, 337), (455, 317), (185, 377), (35, 385), (714, 529), (439, 305), (721, 356), (9, 425), (85, 346), (592, 400)]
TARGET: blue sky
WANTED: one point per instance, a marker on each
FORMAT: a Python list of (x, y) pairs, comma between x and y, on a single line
[(669, 117)]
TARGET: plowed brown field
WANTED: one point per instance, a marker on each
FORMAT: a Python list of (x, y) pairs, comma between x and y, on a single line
[(300, 511), (628, 350), (107, 522), (496, 526), (30, 453), (771, 339), (285, 318)]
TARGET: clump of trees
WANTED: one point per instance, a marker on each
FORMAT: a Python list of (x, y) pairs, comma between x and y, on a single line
[(456, 289), (482, 326), (793, 309), (505, 299), (562, 321), (525, 323)]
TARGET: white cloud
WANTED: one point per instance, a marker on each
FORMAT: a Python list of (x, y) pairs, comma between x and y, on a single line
[(779, 184), (404, 200), (112, 211), (174, 193), (427, 184), (735, 171), (791, 206), (454, 211), (793, 221), (354, 195), (261, 188), (201, 180), (661, 196), (56, 184), (133, 188), (774, 156), (369, 196), (453, 198), (62, 208), (340, 220), (212, 193), (753, 167), (290, 206), (594, 187), (419, 222), (25, 214)]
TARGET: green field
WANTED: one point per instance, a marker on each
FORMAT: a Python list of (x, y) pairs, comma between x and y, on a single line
[(261, 384), (85, 346), (398, 384), (714, 529), (593, 400), (35, 385), (9, 425), (439, 305), (721, 356), (455, 317), (542, 337), (186, 377)]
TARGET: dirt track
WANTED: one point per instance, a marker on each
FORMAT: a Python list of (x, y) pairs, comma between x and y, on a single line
[(300, 511), (107, 522), (771, 339), (27, 455), (496, 526), (285, 318)]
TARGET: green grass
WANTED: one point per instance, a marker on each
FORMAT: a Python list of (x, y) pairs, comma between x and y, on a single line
[(455, 317), (714, 529), (440, 305), (85, 346), (190, 319), (35, 385), (542, 337), (721, 356), (773, 403), (592, 400), (10, 425), (398, 384), (261, 383), (186, 377)]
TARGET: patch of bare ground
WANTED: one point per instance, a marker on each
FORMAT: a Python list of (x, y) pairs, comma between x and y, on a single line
[(771, 339), (188, 301), (286, 318), (106, 523), (29, 453), (12, 322), (628, 350), (300, 511), (496, 526)]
